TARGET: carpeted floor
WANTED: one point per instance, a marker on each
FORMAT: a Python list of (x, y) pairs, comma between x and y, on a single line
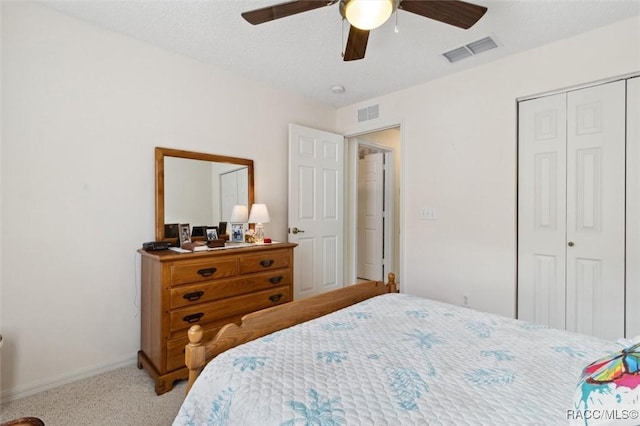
[(121, 397)]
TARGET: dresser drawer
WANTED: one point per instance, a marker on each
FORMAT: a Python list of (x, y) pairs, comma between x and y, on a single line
[(203, 313), (194, 272), (260, 262), (192, 294)]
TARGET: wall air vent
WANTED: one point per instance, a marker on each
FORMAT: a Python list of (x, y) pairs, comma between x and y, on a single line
[(470, 49), (368, 113)]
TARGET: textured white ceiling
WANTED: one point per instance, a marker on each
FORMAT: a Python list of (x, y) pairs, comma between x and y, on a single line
[(301, 53)]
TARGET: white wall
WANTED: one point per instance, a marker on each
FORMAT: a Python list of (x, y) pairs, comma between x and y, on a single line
[(459, 146), (82, 110)]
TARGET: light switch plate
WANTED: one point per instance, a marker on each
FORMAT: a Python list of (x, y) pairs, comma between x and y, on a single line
[(428, 213)]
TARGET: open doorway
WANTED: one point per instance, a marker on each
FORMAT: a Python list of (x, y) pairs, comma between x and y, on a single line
[(374, 202)]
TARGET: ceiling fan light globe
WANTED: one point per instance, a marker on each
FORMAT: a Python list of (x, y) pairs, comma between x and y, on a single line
[(368, 14)]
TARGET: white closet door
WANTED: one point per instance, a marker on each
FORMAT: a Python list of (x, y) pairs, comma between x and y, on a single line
[(596, 210), (541, 210), (633, 207)]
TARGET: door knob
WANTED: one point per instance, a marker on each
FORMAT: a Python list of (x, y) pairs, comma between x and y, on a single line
[(571, 244), (296, 230)]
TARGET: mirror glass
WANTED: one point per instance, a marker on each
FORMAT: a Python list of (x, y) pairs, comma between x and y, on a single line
[(199, 189)]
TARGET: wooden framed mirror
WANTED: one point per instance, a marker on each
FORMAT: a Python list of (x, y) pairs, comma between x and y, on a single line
[(199, 189)]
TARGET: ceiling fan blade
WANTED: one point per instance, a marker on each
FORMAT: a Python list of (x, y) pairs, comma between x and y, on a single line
[(356, 44), (453, 12), (266, 14)]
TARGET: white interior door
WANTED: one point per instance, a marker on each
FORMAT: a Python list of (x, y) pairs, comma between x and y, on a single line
[(633, 207), (542, 210), (371, 217), (596, 210), (316, 182)]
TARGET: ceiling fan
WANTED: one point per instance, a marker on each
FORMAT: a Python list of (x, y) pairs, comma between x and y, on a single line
[(365, 15)]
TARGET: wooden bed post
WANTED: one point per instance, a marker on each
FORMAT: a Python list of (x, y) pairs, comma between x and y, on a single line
[(194, 354), (393, 287)]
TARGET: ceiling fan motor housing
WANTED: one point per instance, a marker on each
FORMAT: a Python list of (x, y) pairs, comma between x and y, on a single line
[(453, 12), (366, 14)]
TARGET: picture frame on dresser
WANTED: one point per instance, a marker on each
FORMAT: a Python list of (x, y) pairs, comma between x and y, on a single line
[(237, 233), (222, 229), (171, 230), (211, 233), (184, 233), (198, 231)]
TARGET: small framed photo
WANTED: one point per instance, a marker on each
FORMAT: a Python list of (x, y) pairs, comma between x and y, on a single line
[(185, 233), (237, 232), (198, 231), (212, 233), (171, 230)]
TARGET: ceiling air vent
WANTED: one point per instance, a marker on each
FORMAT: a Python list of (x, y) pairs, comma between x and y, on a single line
[(368, 113), (458, 54), (482, 45), (470, 49)]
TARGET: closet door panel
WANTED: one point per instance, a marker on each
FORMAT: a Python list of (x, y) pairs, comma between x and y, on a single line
[(633, 207), (541, 210), (596, 210)]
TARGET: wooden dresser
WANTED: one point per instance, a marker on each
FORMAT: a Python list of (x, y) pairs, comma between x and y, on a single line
[(211, 288)]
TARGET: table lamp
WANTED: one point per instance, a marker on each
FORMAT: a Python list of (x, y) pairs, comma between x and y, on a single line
[(259, 215)]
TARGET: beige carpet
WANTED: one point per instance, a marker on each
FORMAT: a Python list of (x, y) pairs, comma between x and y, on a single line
[(124, 396)]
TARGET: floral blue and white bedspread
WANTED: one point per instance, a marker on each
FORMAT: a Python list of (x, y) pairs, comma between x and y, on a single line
[(396, 360)]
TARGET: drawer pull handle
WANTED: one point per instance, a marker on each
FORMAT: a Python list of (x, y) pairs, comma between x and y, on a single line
[(266, 263), (193, 296), (275, 280), (207, 272), (193, 318), (275, 297)]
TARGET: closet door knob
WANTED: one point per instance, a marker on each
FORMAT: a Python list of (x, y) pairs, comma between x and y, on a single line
[(571, 244)]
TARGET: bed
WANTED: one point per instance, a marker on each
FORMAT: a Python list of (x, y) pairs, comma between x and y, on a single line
[(368, 355)]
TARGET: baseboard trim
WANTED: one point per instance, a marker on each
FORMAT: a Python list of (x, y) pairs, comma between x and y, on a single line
[(74, 376)]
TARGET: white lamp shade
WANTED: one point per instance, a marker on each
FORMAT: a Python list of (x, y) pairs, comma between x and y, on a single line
[(259, 214), (368, 14), (239, 214)]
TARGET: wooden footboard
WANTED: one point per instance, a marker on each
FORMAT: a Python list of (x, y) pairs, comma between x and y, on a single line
[(266, 321)]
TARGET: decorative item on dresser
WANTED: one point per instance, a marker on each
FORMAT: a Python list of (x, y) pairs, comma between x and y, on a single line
[(239, 216), (259, 215), (211, 289)]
